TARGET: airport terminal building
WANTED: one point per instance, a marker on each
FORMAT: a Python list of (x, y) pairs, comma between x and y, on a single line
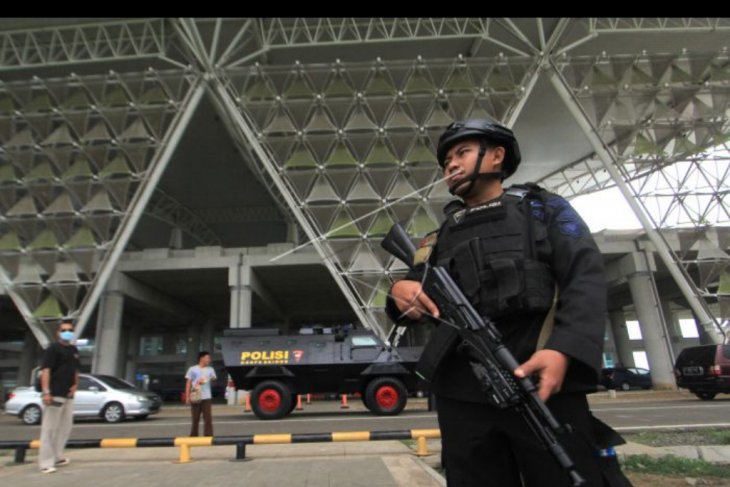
[(162, 180)]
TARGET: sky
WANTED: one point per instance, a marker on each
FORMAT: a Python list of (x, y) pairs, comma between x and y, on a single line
[(605, 209)]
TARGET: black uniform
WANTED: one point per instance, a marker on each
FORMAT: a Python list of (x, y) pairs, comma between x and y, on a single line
[(509, 256)]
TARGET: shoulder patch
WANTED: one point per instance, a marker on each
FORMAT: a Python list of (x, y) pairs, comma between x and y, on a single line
[(568, 221), (425, 248)]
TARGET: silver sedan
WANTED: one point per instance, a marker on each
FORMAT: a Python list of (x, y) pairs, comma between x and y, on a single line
[(98, 396)]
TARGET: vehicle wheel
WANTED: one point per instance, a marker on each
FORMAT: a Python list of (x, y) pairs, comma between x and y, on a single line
[(386, 396), (706, 396), (113, 413), (293, 402), (625, 386), (32, 414), (364, 399), (271, 400)]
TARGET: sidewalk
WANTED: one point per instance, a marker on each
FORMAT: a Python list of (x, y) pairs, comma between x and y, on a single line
[(381, 463)]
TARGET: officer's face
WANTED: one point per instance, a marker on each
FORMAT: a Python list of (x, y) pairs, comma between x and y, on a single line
[(461, 160)]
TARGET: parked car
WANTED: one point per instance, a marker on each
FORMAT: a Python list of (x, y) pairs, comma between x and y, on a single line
[(625, 378), (98, 396), (704, 370)]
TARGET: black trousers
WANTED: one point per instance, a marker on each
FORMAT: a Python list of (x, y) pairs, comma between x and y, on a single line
[(204, 407), (483, 446)]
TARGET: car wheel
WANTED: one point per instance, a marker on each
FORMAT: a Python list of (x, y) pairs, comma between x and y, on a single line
[(625, 386), (706, 396), (386, 396), (271, 399), (32, 414), (113, 412)]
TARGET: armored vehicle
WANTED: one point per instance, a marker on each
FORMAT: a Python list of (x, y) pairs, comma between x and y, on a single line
[(276, 367)]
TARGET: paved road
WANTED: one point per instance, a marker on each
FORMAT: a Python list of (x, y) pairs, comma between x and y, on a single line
[(625, 414)]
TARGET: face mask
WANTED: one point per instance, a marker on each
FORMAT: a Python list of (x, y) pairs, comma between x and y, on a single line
[(67, 336)]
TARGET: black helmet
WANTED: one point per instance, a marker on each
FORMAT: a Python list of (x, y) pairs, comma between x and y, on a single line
[(485, 129)]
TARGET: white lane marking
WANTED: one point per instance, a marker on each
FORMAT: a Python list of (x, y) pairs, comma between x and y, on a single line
[(260, 422), (656, 408), (670, 426)]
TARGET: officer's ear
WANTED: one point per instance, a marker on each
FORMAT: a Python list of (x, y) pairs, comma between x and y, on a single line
[(499, 154)]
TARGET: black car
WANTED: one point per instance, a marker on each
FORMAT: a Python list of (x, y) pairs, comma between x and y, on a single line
[(704, 370), (625, 378)]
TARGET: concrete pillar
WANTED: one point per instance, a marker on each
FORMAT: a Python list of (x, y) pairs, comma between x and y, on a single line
[(130, 366), (241, 296), (206, 338), (673, 329), (108, 333), (29, 359), (621, 341), (292, 233), (193, 347), (652, 329)]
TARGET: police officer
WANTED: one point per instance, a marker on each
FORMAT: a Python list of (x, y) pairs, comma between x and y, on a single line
[(525, 259)]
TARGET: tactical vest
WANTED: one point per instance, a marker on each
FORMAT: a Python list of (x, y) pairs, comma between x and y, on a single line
[(491, 250)]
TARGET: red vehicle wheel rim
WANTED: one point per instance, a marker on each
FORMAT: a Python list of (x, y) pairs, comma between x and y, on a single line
[(270, 400), (386, 397)]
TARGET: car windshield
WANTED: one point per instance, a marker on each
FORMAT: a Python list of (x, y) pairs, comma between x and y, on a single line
[(115, 383)]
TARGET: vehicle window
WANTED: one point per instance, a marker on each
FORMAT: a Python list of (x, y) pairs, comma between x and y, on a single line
[(704, 355), (115, 383), (642, 371), (364, 341), (85, 383)]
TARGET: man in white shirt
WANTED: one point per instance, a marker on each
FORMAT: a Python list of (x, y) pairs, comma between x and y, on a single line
[(199, 377)]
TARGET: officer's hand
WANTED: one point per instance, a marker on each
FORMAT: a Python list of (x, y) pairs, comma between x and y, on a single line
[(412, 301), (47, 399), (550, 366)]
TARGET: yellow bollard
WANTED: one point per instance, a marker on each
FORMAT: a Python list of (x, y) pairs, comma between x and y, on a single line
[(344, 404), (422, 447), (299, 402), (184, 454)]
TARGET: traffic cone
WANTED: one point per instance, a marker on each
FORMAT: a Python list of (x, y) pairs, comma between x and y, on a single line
[(299, 402), (344, 402), (309, 398), (247, 407)]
